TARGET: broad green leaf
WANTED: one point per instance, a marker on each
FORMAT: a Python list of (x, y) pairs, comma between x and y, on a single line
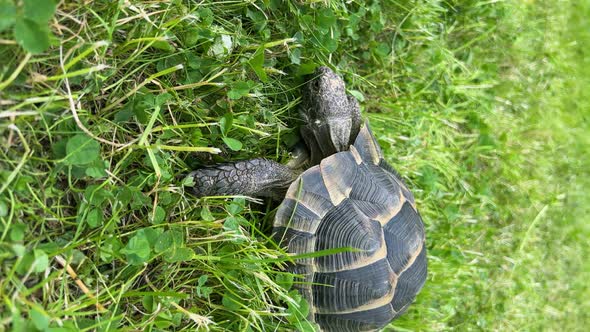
[(300, 308), (295, 56), (202, 290), (110, 249), (167, 198), (206, 214), (25, 263), (234, 94), (194, 61), (206, 35), (17, 320), (41, 261), (306, 68), (382, 50), (357, 95), (203, 280), (226, 123), (96, 169), (94, 218), (7, 14), (236, 206), (231, 224), (159, 215), (306, 326), (125, 113), (189, 181), (257, 64), (79, 172), (190, 38), (82, 150), (377, 25), (39, 319), (230, 301), (162, 322), (179, 255), (285, 280), (17, 232), (232, 143), (97, 194), (137, 249), (65, 328), (19, 250), (164, 243), (161, 99), (326, 19), (206, 16), (124, 195), (163, 45), (22, 182), (169, 240), (96, 172), (59, 149), (307, 22), (151, 234), (31, 36), (356, 18), (40, 11), (239, 89), (329, 43), (300, 37), (171, 244), (257, 18), (177, 237), (139, 200), (3, 209), (142, 105), (196, 136), (148, 302)]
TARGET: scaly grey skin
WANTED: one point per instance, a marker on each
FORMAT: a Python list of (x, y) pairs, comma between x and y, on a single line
[(255, 177), (332, 118), (332, 122)]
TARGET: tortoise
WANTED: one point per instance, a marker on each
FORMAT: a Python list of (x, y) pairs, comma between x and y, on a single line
[(349, 196)]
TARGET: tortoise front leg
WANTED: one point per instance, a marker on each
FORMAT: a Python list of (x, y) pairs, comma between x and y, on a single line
[(256, 177)]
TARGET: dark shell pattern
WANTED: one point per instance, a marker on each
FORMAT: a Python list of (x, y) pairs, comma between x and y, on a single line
[(354, 199)]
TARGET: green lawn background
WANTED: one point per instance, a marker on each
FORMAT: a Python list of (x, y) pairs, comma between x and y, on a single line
[(482, 106)]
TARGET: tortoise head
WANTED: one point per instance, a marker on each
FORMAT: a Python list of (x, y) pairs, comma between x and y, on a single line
[(328, 112)]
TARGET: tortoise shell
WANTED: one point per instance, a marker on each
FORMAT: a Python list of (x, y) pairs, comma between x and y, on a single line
[(354, 199)]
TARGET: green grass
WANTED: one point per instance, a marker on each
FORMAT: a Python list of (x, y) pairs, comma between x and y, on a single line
[(482, 106)]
